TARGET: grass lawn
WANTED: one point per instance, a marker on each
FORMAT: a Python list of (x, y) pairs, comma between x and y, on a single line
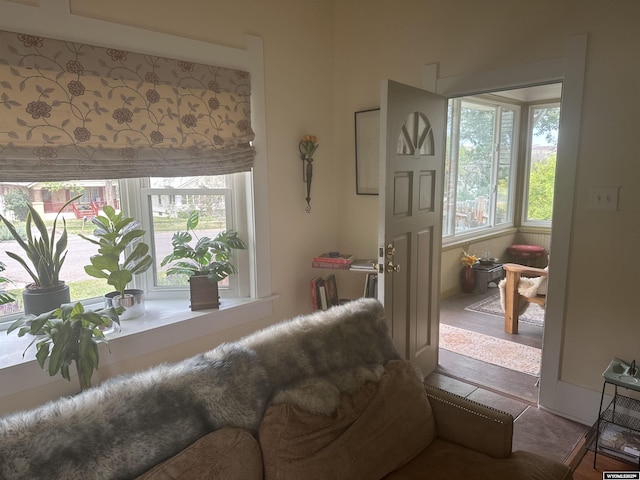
[(161, 224), (79, 290)]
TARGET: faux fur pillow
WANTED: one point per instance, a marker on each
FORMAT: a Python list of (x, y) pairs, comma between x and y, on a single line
[(527, 287), (373, 432)]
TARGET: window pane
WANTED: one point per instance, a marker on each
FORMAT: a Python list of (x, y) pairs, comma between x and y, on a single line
[(47, 198), (474, 166), (170, 211), (448, 203), (213, 181), (506, 153), (545, 122)]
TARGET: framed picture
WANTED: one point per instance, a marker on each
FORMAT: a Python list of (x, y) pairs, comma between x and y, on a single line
[(367, 123)]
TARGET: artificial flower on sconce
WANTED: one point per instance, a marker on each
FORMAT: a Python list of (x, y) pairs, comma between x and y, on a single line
[(308, 145)]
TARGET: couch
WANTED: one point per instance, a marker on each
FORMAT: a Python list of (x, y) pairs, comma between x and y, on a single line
[(321, 396)]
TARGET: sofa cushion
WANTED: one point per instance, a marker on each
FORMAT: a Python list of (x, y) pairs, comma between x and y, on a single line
[(226, 454), (445, 460), (373, 432)]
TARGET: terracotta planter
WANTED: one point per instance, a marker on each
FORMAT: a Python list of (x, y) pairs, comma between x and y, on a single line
[(41, 300), (204, 294), (467, 279)]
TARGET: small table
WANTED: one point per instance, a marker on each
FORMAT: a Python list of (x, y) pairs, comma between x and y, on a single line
[(485, 274)]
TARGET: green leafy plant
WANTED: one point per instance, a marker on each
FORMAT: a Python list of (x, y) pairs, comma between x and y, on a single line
[(67, 335), (210, 257), (43, 250), (115, 234)]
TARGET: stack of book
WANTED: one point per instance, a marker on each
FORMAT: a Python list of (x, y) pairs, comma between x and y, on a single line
[(364, 264), (324, 292), (337, 260)]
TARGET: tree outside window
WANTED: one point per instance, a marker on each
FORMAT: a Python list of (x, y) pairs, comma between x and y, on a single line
[(542, 154), (481, 149)]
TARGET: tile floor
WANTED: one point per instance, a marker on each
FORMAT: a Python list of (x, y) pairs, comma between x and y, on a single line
[(534, 429), (516, 393)]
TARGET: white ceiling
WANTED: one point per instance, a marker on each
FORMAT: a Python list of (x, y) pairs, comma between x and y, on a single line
[(533, 94)]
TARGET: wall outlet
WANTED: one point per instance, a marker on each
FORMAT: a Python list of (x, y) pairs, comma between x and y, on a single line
[(604, 199)]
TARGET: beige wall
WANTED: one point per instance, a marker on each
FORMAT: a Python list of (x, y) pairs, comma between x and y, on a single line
[(324, 60), (377, 39)]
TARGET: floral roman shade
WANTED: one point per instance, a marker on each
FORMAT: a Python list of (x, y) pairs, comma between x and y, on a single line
[(75, 111)]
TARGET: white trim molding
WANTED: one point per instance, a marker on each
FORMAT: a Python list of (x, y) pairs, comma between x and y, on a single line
[(555, 395)]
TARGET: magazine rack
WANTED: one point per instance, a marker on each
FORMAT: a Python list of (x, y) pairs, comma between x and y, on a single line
[(618, 428)]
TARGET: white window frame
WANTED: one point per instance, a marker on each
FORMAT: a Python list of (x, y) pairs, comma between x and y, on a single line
[(539, 224), (236, 215), (491, 227)]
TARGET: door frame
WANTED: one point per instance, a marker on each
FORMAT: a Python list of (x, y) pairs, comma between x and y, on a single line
[(554, 395)]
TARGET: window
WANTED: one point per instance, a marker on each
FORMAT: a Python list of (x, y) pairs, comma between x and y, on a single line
[(480, 165), (161, 204), (47, 198), (189, 137), (167, 202), (544, 121)]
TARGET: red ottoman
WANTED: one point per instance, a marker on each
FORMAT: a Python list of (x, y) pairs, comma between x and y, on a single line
[(529, 254)]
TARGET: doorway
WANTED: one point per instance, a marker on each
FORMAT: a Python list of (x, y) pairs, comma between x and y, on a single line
[(501, 158)]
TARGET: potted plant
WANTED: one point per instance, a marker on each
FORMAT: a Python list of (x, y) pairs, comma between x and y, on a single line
[(205, 263), (66, 335), (467, 275), (46, 253), (116, 235)]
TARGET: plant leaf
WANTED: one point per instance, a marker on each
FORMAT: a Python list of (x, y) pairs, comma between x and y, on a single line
[(193, 220)]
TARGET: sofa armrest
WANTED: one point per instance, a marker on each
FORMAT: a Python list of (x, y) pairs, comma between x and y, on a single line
[(471, 424)]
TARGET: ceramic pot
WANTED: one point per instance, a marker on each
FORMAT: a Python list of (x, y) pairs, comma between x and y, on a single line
[(467, 279), (204, 294), (41, 300)]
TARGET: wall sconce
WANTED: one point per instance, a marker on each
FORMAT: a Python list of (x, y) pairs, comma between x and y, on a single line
[(308, 146)]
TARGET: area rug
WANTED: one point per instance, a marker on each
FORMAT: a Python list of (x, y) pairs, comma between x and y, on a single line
[(496, 351), (534, 314)]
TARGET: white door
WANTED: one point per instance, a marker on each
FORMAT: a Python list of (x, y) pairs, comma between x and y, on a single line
[(412, 144)]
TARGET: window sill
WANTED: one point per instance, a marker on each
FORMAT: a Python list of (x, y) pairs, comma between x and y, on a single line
[(474, 237), (533, 228), (166, 323)]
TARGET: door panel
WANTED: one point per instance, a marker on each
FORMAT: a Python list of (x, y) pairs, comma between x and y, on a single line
[(423, 280), (400, 288), (402, 194), (412, 133)]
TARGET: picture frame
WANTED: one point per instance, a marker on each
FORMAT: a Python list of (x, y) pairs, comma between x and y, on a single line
[(367, 143)]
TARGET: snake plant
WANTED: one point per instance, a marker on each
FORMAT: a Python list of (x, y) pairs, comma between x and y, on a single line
[(5, 297), (45, 252)]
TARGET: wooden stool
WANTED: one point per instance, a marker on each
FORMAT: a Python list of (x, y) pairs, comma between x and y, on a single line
[(526, 254)]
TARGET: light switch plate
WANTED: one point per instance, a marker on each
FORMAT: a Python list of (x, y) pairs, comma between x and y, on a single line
[(604, 199)]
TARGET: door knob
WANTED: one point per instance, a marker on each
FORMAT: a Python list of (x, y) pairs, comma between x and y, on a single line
[(392, 268)]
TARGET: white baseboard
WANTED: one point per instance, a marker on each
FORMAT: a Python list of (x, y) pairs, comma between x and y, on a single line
[(576, 403)]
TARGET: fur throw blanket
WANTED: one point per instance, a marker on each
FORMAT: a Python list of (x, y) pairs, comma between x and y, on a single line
[(527, 287), (128, 424)]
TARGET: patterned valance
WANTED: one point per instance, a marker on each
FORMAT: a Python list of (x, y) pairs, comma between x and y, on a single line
[(75, 111)]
